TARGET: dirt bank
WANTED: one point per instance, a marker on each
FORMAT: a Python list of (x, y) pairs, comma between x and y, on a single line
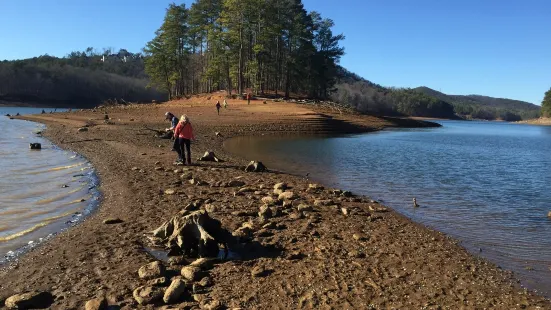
[(363, 256)]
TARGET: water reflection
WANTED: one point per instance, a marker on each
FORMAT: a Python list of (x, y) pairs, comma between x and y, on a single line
[(482, 182)]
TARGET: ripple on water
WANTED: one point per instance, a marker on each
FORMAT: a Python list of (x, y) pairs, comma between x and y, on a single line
[(41, 192)]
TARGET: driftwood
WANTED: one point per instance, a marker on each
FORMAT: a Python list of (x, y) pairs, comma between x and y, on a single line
[(209, 156)]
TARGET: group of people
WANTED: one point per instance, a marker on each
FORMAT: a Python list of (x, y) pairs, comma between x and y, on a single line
[(183, 134)]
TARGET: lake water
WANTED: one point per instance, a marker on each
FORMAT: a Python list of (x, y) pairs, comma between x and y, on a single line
[(485, 183), (41, 191)]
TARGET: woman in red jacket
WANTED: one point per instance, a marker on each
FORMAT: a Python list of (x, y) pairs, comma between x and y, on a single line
[(184, 134)]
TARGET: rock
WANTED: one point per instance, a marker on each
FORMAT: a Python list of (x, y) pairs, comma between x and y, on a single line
[(218, 134), (199, 297), (344, 211), (296, 216), (236, 183), (314, 187), (305, 208), (82, 129), (163, 281), (322, 202), (194, 233), (177, 260), (170, 191), (281, 186), (35, 146), (208, 304), (286, 196), (347, 194), (131, 119), (205, 282), (268, 200), (245, 190), (270, 225), (146, 295), (259, 271), (152, 270), (278, 192), (186, 176), (244, 231), (209, 156), (112, 221), (31, 300), (159, 169), (265, 212), (175, 291), (99, 303), (359, 237), (255, 166), (196, 182), (336, 192), (203, 263), (191, 273), (135, 168)]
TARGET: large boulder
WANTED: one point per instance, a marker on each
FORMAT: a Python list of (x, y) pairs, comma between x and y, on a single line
[(146, 295), (255, 166), (151, 271), (99, 303), (195, 234), (175, 291), (30, 300)]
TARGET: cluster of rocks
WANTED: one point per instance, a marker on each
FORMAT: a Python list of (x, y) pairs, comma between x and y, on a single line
[(163, 286)]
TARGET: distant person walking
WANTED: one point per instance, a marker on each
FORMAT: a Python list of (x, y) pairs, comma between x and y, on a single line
[(184, 134), (225, 104), (248, 98), (218, 106)]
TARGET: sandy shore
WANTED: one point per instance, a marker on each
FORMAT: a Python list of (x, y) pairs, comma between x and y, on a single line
[(371, 258), (544, 121)]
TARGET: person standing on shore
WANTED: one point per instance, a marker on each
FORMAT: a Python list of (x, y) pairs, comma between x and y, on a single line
[(218, 106), (225, 104), (248, 98), (183, 133)]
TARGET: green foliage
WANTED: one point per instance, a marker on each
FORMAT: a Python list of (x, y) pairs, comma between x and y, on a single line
[(244, 45), (81, 79), (546, 104)]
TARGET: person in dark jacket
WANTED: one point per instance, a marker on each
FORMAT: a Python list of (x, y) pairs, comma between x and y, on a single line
[(218, 106)]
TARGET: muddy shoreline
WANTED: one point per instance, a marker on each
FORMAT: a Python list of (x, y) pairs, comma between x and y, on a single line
[(369, 257)]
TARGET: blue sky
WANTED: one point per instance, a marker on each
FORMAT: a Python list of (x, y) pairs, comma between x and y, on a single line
[(499, 48)]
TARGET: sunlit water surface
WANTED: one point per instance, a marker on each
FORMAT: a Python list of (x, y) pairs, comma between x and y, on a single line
[(485, 183), (41, 191)]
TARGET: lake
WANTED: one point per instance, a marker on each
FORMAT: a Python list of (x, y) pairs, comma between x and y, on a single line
[(41, 191), (484, 183)]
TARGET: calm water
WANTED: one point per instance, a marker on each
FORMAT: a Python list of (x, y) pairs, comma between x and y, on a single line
[(41, 191), (485, 183)]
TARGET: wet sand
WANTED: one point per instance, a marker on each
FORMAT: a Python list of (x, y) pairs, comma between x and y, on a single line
[(321, 259)]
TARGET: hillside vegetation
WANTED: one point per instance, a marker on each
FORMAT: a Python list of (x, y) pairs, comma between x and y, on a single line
[(81, 79), (372, 98)]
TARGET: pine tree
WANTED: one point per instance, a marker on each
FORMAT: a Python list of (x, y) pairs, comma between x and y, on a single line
[(546, 104)]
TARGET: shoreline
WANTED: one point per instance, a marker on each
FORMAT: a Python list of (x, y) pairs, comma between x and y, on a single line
[(94, 258)]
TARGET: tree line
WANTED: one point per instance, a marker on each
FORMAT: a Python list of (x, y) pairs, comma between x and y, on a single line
[(241, 46), (546, 104), (372, 98), (80, 79)]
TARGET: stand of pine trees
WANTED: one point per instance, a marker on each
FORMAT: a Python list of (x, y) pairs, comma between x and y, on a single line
[(243, 46)]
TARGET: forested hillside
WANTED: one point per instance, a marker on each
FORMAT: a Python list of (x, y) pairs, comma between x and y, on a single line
[(483, 107), (423, 101), (546, 104), (81, 79), (243, 46)]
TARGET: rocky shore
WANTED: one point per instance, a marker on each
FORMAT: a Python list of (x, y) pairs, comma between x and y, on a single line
[(280, 241)]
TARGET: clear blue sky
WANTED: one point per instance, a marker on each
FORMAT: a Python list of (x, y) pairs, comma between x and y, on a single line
[(499, 48)]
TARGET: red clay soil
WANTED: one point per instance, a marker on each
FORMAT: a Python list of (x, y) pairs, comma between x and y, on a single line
[(337, 252)]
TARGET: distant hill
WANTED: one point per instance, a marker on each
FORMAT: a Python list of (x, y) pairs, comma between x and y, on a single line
[(484, 101), (373, 98)]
